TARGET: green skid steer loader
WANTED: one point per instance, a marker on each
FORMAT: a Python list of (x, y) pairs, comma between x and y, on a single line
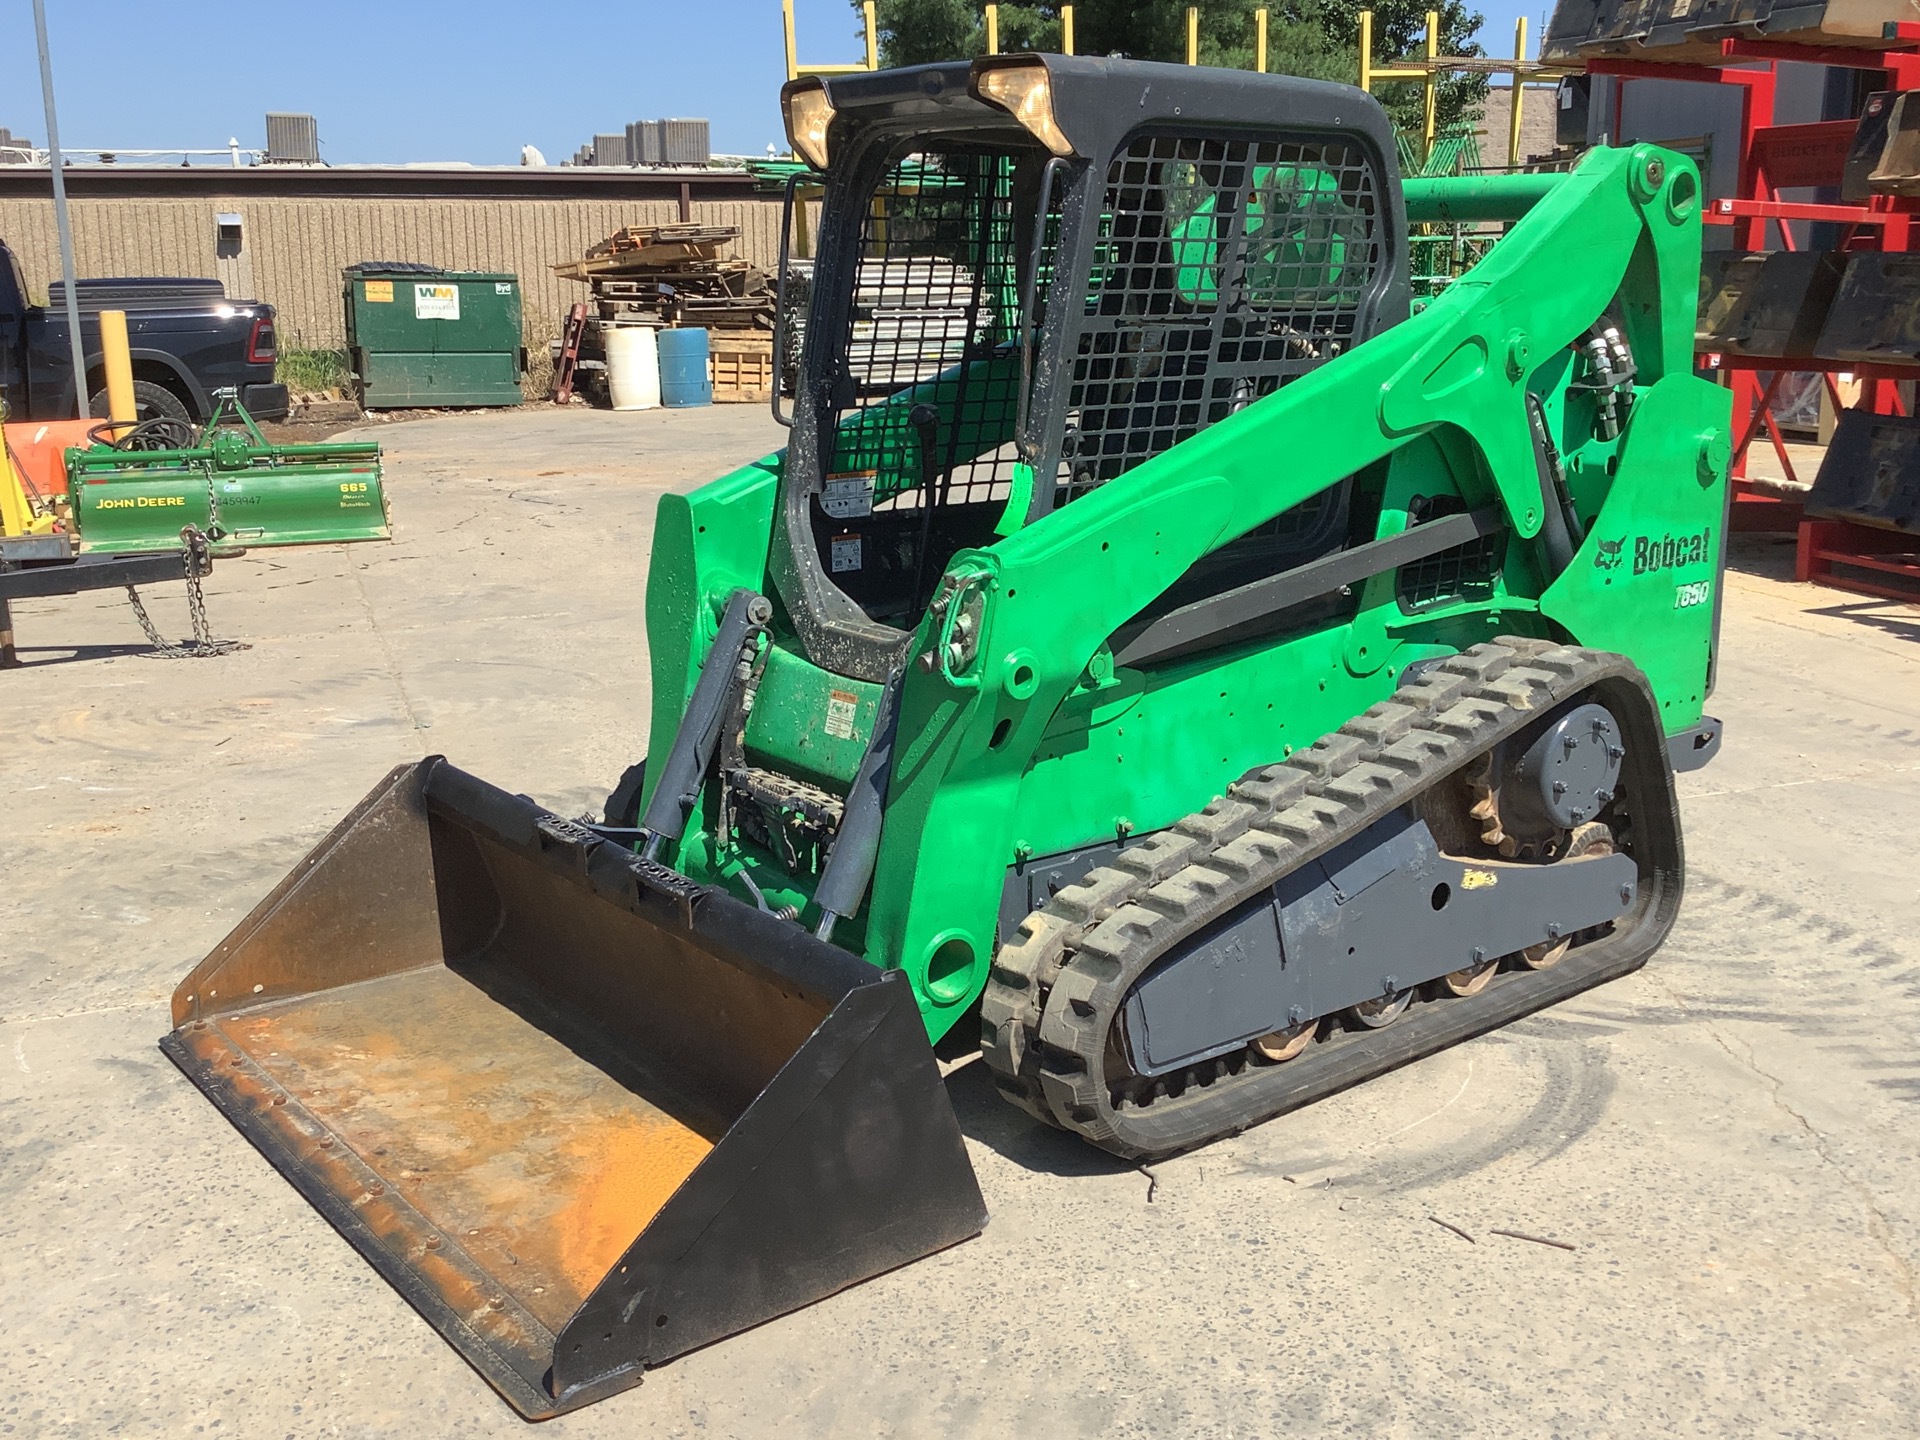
[(1156, 647)]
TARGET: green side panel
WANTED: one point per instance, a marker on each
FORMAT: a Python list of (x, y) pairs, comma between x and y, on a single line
[(1128, 757), (809, 723), (1643, 583), (145, 506), (706, 544)]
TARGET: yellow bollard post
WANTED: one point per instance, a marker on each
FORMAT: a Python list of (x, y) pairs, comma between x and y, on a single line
[(793, 60), (1432, 85), (1066, 29), (873, 37), (117, 359), (16, 511), (993, 29), (1260, 39), (1193, 35), (1519, 94), (1366, 48)]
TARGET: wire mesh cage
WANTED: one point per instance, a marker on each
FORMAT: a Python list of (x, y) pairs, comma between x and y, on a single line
[(936, 294), (1225, 268)]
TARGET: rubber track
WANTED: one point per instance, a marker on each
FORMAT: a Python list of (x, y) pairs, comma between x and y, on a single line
[(1055, 989)]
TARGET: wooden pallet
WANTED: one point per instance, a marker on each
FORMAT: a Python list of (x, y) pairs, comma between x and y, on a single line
[(742, 367), (639, 237)]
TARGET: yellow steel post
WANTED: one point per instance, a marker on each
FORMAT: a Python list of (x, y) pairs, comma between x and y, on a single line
[(1432, 97), (1371, 74), (873, 37), (117, 359), (1260, 39), (1518, 94), (1066, 29), (993, 29), (1193, 35), (793, 58)]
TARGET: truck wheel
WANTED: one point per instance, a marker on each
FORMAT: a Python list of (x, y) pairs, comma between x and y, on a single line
[(150, 400)]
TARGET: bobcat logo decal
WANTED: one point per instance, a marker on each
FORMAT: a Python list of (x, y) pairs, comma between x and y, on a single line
[(1608, 556)]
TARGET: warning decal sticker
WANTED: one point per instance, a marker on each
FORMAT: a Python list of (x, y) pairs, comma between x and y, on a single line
[(849, 496), (840, 708)]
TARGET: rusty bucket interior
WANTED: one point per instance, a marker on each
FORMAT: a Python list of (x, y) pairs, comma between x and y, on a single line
[(582, 1112)]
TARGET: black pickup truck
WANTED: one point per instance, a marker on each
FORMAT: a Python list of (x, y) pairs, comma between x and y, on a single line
[(188, 340)]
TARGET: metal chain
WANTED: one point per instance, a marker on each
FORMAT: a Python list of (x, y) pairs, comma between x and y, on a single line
[(213, 507), (193, 551)]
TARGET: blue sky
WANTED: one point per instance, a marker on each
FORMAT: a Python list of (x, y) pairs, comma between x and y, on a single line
[(427, 79)]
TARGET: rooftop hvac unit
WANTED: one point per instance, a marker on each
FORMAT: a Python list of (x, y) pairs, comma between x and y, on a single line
[(643, 143), (13, 148), (684, 142), (610, 150), (292, 139)]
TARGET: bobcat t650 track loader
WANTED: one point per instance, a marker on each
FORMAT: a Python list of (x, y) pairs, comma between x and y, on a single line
[(1156, 647)]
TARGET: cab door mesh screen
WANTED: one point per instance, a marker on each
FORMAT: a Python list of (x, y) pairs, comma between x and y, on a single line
[(1223, 270), (936, 290)]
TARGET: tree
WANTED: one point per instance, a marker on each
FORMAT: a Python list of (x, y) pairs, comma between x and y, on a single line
[(1314, 38)]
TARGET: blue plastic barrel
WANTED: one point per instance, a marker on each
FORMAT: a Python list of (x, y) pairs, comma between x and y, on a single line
[(683, 369)]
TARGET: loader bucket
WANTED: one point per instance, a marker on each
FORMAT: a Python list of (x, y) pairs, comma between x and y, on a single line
[(1767, 306), (1875, 317), (1870, 473), (1725, 278), (1869, 144), (1896, 169), (584, 1114)]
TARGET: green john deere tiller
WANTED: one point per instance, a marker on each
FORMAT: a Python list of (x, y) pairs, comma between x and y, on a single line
[(1155, 647), (138, 487)]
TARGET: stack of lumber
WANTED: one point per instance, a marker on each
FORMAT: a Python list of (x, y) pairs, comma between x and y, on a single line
[(674, 275)]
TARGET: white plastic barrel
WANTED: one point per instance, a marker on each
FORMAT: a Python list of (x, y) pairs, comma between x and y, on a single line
[(633, 366)]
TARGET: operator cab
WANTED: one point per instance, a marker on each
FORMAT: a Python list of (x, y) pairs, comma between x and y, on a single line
[(1036, 273)]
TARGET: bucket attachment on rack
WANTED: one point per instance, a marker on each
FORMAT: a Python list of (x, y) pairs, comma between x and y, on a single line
[(583, 1113), (1875, 317), (232, 483), (1870, 473), (1766, 306), (1884, 158)]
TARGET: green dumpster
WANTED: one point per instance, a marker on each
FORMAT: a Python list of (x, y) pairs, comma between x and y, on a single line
[(423, 336)]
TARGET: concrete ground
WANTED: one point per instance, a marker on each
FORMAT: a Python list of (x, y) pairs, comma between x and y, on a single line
[(1726, 1137)]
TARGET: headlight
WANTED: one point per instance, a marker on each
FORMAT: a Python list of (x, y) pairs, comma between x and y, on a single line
[(1025, 91), (808, 113)]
